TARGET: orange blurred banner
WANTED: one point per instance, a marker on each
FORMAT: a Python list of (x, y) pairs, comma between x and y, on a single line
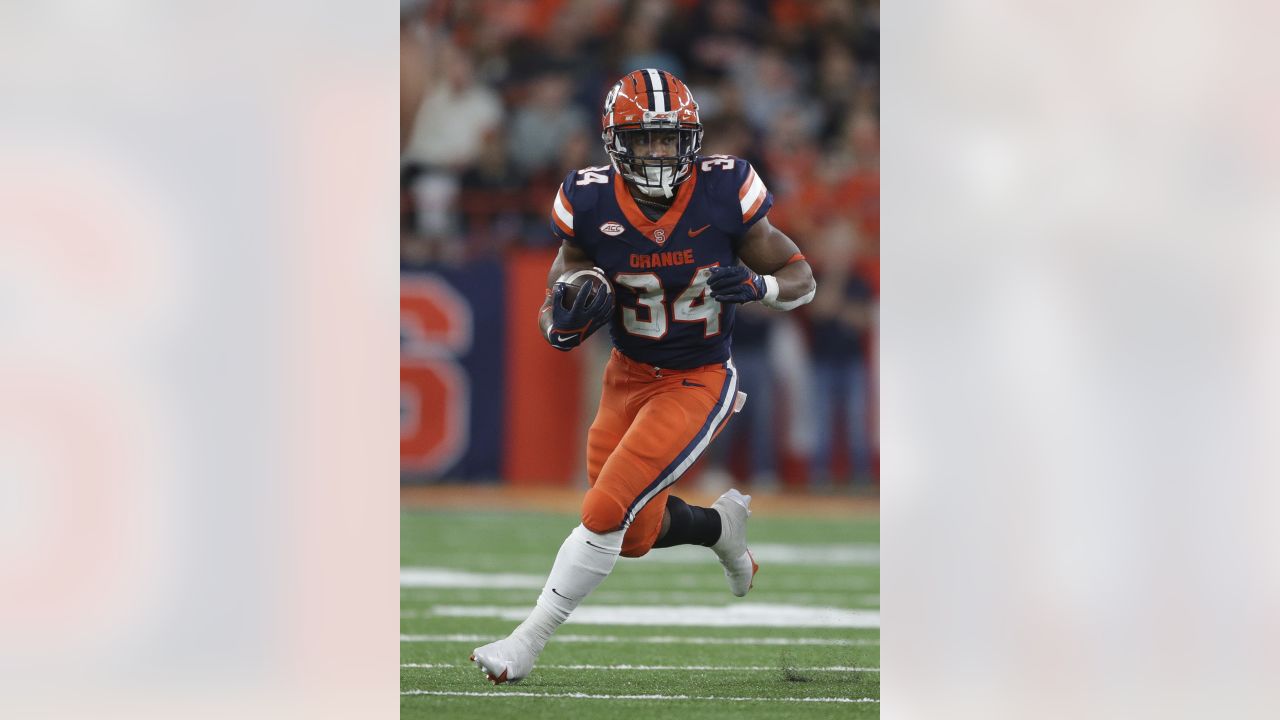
[(543, 389)]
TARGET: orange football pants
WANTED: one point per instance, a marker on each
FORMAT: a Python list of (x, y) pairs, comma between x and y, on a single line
[(653, 424)]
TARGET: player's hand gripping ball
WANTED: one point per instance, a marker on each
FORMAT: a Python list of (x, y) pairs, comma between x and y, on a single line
[(581, 303), (735, 284)]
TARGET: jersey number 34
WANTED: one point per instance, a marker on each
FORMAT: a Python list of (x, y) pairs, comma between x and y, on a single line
[(695, 304)]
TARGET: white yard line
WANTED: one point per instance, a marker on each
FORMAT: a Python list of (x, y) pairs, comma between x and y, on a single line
[(869, 604), (433, 577), (747, 614), (730, 668), (834, 599), (832, 555), (710, 580), (588, 696), (655, 640)]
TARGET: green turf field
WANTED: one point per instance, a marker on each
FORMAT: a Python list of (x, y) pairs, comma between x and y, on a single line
[(767, 670)]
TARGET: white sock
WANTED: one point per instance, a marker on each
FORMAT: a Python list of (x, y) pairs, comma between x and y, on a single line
[(585, 559)]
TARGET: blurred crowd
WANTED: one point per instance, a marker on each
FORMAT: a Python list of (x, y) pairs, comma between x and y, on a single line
[(511, 103)]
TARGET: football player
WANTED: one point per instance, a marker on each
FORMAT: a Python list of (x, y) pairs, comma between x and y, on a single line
[(683, 239)]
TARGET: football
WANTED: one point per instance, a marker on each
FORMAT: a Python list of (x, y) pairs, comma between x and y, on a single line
[(591, 281)]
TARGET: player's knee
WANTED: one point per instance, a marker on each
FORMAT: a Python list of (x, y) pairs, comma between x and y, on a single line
[(639, 541), (643, 533), (635, 550), (601, 512)]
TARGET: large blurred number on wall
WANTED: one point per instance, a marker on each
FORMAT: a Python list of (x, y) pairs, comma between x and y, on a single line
[(482, 396), (451, 372)]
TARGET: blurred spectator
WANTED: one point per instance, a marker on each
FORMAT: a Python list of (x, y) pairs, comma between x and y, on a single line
[(790, 151), (455, 116), (414, 68), (722, 34), (836, 86), (491, 54), (720, 101), (772, 85), (543, 126), (433, 206), (492, 200), (840, 319), (843, 183), (753, 433), (575, 37), (731, 135), (642, 36)]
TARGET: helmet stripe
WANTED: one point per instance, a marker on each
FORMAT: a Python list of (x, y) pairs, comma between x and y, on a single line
[(657, 86), (648, 88)]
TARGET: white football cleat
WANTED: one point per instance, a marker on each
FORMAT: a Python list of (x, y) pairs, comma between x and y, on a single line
[(508, 660), (739, 566)]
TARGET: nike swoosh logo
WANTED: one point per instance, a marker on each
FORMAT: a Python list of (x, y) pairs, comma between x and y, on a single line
[(688, 383), (695, 233), (562, 338), (563, 596)]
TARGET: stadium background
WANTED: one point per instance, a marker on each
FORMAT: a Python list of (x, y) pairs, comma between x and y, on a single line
[(511, 104)]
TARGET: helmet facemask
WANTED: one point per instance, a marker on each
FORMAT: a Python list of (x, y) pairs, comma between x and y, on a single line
[(655, 157)]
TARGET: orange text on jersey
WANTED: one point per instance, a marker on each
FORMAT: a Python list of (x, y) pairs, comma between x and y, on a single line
[(662, 259)]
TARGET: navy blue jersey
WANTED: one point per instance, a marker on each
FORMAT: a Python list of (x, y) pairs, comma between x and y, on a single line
[(664, 314)]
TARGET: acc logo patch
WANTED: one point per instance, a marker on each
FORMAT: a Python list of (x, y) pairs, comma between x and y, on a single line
[(612, 228), (659, 236)]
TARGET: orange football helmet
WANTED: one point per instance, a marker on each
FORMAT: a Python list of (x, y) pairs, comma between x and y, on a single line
[(651, 130)]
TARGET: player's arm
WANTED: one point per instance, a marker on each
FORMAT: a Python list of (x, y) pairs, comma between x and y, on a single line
[(566, 328), (776, 272), (570, 257)]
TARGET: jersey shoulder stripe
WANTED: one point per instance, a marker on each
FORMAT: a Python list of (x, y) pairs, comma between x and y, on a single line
[(575, 198), (562, 213), (738, 191), (751, 194)]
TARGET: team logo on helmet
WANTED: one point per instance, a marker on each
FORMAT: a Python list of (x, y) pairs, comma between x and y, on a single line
[(612, 228), (612, 97)]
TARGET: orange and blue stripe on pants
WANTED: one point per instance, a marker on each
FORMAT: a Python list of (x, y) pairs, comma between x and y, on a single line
[(652, 425)]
